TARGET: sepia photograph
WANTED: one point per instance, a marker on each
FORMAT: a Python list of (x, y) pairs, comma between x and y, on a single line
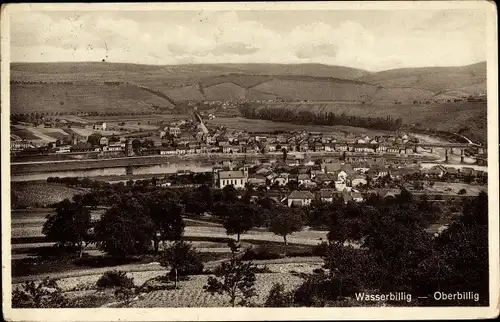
[(249, 156)]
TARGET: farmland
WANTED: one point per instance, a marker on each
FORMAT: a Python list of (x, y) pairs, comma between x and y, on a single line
[(31, 194), (73, 98), (240, 123)]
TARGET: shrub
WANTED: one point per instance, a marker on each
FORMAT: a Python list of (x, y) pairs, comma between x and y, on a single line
[(182, 259), (321, 249), (278, 297), (111, 279), (46, 294), (260, 253)]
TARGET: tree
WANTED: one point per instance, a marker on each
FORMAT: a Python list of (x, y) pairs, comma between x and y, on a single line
[(229, 194), (285, 221), (237, 218), (285, 154), (166, 218), (94, 138), (70, 226), (461, 252), (235, 278), (47, 294), (182, 259), (124, 229)]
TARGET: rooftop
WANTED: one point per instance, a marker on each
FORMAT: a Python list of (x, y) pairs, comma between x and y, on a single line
[(301, 195), (231, 174)]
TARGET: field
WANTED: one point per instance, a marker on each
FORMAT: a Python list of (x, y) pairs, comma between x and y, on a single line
[(251, 125), (74, 98), (136, 118), (191, 293), (29, 194), (23, 133)]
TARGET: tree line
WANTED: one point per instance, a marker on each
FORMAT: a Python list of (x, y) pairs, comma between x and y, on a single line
[(285, 114)]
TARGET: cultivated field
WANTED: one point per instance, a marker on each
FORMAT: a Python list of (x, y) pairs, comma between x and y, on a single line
[(192, 294), (33, 194), (73, 98), (252, 125)]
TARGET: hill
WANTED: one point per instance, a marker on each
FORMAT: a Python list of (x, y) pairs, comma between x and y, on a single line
[(73, 98), (470, 79), (417, 95), (266, 81), (467, 117)]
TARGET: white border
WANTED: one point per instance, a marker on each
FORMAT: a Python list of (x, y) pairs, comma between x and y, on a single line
[(230, 314)]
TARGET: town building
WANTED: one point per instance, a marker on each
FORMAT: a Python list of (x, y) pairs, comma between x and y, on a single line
[(238, 179), (300, 198)]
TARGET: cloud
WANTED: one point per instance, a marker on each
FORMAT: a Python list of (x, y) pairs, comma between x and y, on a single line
[(237, 48), (225, 37)]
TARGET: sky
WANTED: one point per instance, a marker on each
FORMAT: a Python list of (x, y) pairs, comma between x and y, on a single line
[(372, 40)]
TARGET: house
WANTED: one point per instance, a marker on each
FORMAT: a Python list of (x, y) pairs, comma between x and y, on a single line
[(63, 149), (117, 146), (99, 127), (303, 147), (326, 195), (314, 173), (168, 151), (174, 130), (340, 185), (322, 178), (300, 198), (356, 196), (468, 171), (332, 167), (358, 180), (361, 167), (385, 193), (341, 147), (329, 147), (237, 179), (319, 147), (257, 180), (437, 171), (103, 141), (281, 179), (341, 175), (304, 178)]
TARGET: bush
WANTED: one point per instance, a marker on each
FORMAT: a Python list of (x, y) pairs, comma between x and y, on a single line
[(278, 297), (112, 279), (260, 253), (318, 290), (321, 249), (46, 294)]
